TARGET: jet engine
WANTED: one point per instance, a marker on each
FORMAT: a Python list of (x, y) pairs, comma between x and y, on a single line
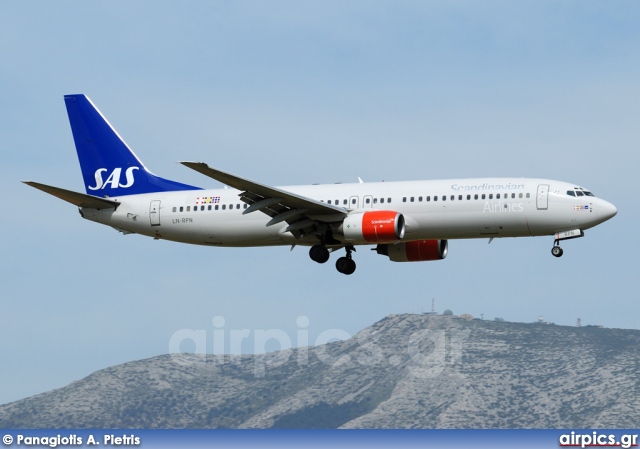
[(416, 251), (376, 226)]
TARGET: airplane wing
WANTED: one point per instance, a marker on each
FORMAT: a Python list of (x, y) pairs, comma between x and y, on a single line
[(79, 199), (299, 212)]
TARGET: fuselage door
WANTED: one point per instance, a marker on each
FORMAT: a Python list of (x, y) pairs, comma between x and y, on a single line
[(154, 213), (367, 202), (353, 203), (542, 200)]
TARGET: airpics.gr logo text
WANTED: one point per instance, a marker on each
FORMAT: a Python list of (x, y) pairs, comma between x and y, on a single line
[(113, 181), (426, 353)]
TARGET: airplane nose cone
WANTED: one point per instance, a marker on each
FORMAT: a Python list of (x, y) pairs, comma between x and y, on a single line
[(607, 210)]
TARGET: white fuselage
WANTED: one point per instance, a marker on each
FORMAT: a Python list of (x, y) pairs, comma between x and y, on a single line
[(442, 209)]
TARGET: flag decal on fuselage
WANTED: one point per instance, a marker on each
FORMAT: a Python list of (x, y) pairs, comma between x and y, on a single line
[(208, 200)]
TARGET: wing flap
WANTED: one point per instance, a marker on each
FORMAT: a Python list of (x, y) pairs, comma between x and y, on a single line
[(78, 199)]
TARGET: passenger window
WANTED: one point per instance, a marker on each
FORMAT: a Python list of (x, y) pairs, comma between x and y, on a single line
[(468, 197), (382, 200), (201, 207), (460, 197), (217, 207), (528, 195), (475, 197), (345, 202), (484, 196), (491, 196), (188, 208), (453, 197), (353, 201), (513, 195), (435, 198), (420, 199), (520, 195), (412, 199), (404, 199), (209, 207), (497, 196), (388, 200), (444, 197), (224, 207), (245, 206), (428, 198), (329, 202), (174, 209), (375, 201), (181, 208), (367, 200)]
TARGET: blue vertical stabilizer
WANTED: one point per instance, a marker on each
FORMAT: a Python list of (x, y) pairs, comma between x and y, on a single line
[(109, 167)]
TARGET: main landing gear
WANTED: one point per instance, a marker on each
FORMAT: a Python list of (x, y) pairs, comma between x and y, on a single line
[(319, 253), (345, 265)]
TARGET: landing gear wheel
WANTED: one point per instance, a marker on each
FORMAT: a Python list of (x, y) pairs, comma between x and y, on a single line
[(345, 265), (557, 251), (319, 253)]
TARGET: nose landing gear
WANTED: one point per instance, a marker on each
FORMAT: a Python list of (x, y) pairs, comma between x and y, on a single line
[(557, 251), (565, 235)]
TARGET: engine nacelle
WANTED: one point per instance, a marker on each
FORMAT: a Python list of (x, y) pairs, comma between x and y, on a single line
[(376, 226), (416, 251)]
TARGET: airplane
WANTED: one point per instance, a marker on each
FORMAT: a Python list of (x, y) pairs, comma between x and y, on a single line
[(407, 221)]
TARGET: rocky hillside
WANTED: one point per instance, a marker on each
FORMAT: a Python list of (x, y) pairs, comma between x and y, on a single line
[(405, 371)]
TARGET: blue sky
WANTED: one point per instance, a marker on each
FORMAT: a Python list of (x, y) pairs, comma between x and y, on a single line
[(296, 93)]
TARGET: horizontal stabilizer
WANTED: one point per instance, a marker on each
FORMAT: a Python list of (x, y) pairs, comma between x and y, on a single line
[(79, 199)]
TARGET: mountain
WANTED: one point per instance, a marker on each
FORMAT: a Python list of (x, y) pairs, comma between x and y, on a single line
[(405, 371)]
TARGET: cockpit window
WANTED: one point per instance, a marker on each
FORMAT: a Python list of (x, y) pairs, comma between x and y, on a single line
[(579, 191)]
